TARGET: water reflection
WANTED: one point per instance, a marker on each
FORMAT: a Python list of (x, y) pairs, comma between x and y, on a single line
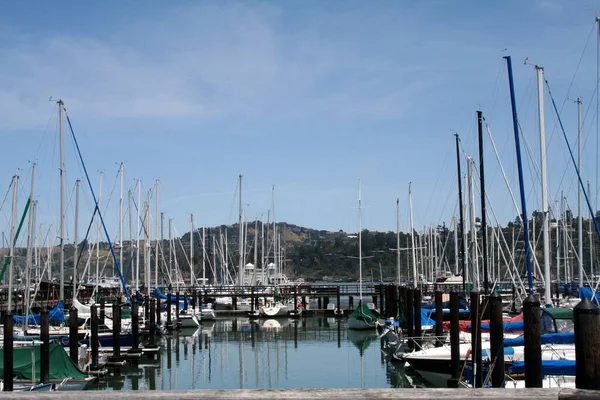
[(274, 353)]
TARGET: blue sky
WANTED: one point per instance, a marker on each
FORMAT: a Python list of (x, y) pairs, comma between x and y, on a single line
[(307, 96)]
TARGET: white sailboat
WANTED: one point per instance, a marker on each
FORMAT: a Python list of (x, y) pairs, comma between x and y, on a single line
[(361, 317)]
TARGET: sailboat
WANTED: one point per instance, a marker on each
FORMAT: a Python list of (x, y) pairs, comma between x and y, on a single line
[(275, 308), (362, 317)]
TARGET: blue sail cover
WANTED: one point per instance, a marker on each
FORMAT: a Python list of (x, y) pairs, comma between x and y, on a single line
[(549, 367), (56, 314), (514, 326), (462, 304), (426, 320), (586, 293), (548, 338)]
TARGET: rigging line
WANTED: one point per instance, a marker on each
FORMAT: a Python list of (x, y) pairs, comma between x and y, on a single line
[(112, 249), (597, 109), (512, 196), (585, 194), (574, 76)]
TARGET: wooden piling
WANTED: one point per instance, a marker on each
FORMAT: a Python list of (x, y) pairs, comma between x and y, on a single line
[(8, 352), (73, 335), (496, 340), (454, 341), (476, 339), (351, 302), (587, 351), (177, 320), (102, 310), (152, 327), (116, 330), (533, 342), (439, 317), (417, 297), (45, 347), (337, 298), (135, 327), (169, 321), (94, 335), (409, 318)]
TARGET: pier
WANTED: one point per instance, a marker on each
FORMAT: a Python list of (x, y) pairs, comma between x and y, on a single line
[(368, 394)]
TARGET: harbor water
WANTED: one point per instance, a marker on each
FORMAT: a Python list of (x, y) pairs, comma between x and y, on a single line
[(236, 353)]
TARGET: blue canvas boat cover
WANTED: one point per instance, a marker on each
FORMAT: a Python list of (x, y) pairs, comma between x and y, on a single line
[(549, 367), (548, 338), (56, 314)]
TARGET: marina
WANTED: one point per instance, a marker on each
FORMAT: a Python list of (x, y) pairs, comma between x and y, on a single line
[(183, 271)]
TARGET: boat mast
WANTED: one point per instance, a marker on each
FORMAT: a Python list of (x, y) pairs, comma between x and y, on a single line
[(412, 236), (15, 183), (398, 241), (520, 168), (241, 238), (137, 255), (204, 258), (130, 214), (192, 250), (461, 214), (98, 235), (156, 212), (455, 245), (30, 244), (274, 234), (121, 216), (147, 246), (62, 199), (483, 212), (579, 216), (590, 238), (474, 256), (546, 234), (76, 233), (360, 240)]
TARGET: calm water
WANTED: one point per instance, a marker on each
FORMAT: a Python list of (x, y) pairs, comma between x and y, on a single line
[(232, 353)]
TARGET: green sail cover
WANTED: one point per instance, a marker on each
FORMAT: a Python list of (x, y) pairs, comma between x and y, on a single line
[(61, 365), (363, 312)]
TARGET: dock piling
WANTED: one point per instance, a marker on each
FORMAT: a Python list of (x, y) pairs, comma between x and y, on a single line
[(409, 318), (496, 340), (94, 336), (417, 297), (8, 352), (439, 317), (533, 342), (587, 351), (73, 335), (454, 341), (476, 339), (116, 309), (45, 347)]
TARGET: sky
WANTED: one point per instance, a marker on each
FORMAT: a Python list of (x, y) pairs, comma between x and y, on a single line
[(307, 97)]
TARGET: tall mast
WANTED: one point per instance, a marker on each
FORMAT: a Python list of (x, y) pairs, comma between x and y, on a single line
[(192, 276), (360, 239), (579, 216), (483, 212), (204, 259), (455, 246), (137, 253), (255, 250), (121, 215), (62, 199), (76, 233), (98, 235), (513, 102), (474, 256), (13, 220), (147, 246), (262, 250), (241, 238), (591, 238), (171, 250), (130, 213), (398, 241), (274, 234), (546, 233), (412, 236), (461, 212), (157, 217)]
